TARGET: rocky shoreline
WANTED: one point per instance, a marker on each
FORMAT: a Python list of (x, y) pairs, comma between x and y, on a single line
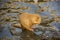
[(49, 29)]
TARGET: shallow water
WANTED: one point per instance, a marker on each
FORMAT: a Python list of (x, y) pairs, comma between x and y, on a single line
[(48, 29)]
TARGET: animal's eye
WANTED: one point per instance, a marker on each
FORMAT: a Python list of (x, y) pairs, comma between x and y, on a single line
[(37, 18)]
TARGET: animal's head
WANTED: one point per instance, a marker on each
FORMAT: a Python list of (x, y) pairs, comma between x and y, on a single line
[(36, 19)]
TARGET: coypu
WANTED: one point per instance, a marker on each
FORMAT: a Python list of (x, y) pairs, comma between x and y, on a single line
[(27, 20)]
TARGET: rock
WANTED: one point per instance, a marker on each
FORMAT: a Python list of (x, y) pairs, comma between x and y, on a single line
[(16, 25), (16, 38), (23, 7), (1, 28), (12, 11), (5, 5), (15, 31), (13, 38)]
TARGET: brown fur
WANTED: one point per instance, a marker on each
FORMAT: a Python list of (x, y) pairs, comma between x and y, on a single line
[(27, 20)]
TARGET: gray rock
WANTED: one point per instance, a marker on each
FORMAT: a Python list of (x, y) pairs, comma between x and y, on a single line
[(15, 31)]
